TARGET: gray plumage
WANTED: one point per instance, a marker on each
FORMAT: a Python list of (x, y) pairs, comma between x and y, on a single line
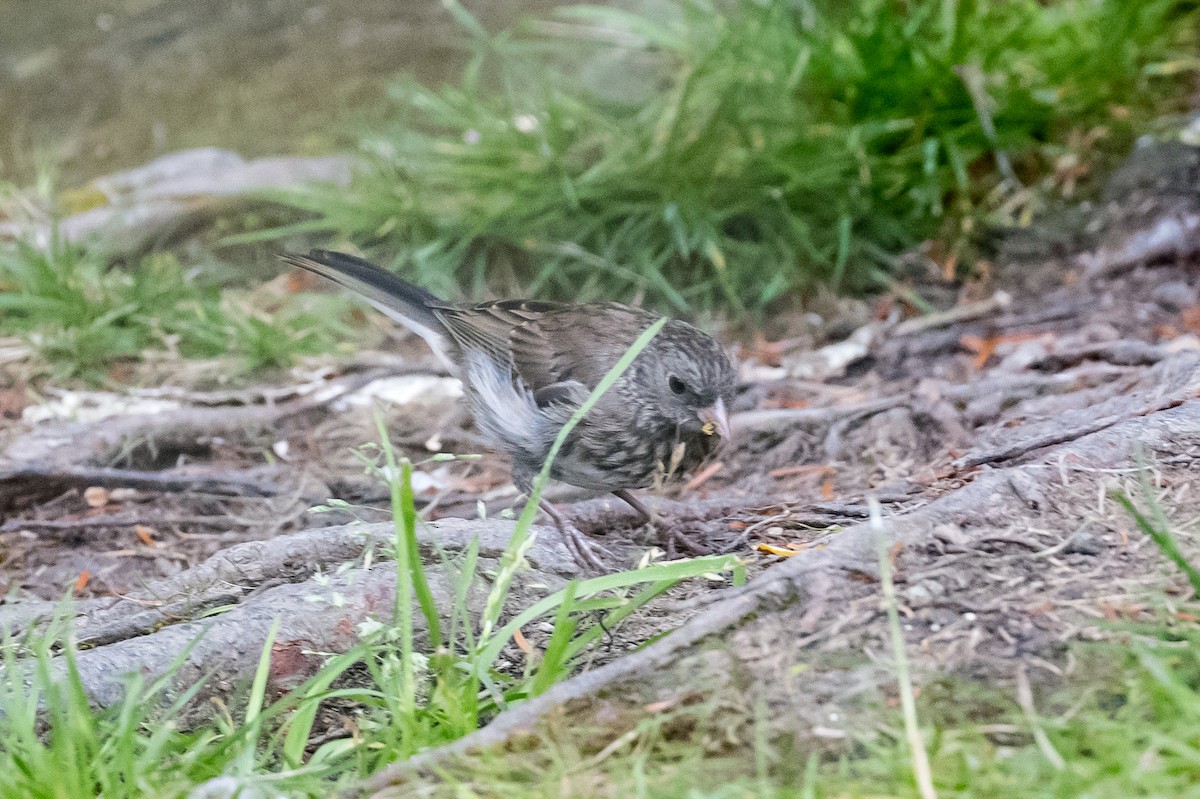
[(527, 365)]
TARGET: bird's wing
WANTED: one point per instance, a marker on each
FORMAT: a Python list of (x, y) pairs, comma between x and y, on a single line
[(547, 343)]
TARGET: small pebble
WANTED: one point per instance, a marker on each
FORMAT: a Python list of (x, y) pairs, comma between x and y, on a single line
[(96, 497), (1175, 295), (923, 592), (1085, 544), (950, 534)]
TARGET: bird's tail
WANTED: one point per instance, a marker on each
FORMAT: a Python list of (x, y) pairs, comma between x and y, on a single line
[(411, 306)]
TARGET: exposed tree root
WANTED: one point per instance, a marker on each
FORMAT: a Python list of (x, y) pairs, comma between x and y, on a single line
[(804, 591), (256, 583), (239, 573), (54, 456)]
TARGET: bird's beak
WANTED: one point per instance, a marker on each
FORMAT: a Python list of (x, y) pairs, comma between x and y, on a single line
[(716, 420)]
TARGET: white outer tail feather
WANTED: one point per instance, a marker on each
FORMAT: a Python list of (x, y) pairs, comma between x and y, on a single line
[(435, 339)]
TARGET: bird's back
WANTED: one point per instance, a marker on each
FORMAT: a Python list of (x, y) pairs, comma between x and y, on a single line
[(547, 343)]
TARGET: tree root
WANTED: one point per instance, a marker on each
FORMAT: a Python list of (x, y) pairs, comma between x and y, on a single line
[(52, 455), (1167, 384), (236, 574), (805, 588), (262, 582)]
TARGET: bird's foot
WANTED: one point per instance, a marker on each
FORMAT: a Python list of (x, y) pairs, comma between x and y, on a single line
[(669, 537), (581, 549), (685, 542)]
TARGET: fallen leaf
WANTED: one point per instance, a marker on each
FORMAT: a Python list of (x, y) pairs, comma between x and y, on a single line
[(1189, 319), (298, 280), (82, 580), (145, 534), (779, 551), (96, 497), (121, 372), (522, 642), (13, 402), (770, 353), (827, 492), (791, 403), (1165, 332), (983, 348), (883, 307), (950, 267)]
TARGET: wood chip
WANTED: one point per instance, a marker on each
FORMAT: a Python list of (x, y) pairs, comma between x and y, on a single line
[(146, 534), (95, 496), (806, 470), (522, 642)]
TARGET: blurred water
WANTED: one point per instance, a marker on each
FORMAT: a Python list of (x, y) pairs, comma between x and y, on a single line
[(90, 86)]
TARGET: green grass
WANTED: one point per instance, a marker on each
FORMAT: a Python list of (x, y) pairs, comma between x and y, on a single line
[(1126, 724), (408, 691), (83, 316), (723, 155), (1129, 726)]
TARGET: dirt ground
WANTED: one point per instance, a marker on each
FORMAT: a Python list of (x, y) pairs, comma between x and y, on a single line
[(994, 434)]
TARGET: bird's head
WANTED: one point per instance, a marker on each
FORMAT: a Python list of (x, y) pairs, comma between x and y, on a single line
[(691, 377)]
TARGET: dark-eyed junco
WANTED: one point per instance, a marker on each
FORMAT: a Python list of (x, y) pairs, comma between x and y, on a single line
[(528, 365)]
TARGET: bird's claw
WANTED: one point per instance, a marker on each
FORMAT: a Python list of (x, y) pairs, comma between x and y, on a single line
[(685, 542), (581, 549)]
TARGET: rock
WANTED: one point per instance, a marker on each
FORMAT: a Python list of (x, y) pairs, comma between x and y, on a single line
[(923, 592), (1175, 295), (137, 203), (951, 534), (1085, 543)]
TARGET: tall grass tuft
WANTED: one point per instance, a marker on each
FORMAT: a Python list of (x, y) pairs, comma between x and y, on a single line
[(723, 154)]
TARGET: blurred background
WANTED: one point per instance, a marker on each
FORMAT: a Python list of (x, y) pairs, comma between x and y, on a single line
[(89, 87), (740, 163)]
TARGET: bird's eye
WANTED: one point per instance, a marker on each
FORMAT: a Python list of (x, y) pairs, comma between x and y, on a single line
[(677, 385)]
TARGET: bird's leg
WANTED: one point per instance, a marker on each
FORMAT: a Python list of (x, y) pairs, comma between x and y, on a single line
[(580, 548), (670, 536), (635, 503)]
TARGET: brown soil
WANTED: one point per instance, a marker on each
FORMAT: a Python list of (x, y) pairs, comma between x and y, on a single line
[(994, 443)]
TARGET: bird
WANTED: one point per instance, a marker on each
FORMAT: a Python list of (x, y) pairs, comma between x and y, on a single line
[(527, 365)]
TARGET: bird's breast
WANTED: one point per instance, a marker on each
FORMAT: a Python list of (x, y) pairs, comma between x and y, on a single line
[(632, 457)]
